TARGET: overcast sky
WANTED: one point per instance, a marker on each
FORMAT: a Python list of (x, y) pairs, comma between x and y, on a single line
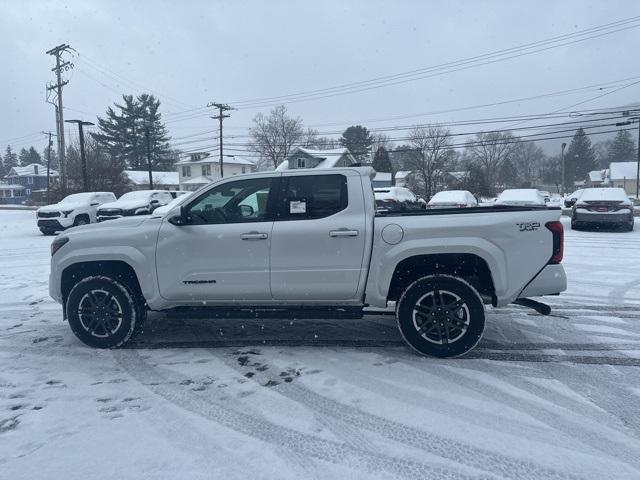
[(192, 52)]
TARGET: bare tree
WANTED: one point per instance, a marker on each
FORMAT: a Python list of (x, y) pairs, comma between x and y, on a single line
[(527, 161), (432, 145), (490, 150), (274, 136), (380, 140), (312, 139)]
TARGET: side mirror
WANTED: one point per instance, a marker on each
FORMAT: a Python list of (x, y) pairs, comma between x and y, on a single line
[(94, 204), (181, 219), (155, 202), (246, 210)]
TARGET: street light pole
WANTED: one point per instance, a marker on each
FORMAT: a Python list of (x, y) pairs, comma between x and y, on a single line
[(563, 146), (85, 176)]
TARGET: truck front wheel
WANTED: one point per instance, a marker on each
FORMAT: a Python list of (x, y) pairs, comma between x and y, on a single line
[(103, 312), (441, 316)]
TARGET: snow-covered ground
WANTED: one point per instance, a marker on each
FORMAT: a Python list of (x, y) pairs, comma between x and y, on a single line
[(540, 398)]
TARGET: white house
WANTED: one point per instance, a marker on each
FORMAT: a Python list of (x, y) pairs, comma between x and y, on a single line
[(198, 169), (312, 158), (383, 179), (161, 180), (623, 175)]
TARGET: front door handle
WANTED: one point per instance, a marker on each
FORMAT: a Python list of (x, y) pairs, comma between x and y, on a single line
[(254, 236), (343, 232)]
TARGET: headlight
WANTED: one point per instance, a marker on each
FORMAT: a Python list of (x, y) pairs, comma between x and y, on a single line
[(57, 244), (66, 212)]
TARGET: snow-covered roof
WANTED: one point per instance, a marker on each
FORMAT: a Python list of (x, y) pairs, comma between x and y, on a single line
[(197, 181), (622, 170), (596, 175), (6, 186), (458, 175), (382, 177), (401, 174), (141, 177), (328, 158), (30, 171)]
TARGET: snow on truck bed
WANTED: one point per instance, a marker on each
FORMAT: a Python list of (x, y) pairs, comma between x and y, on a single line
[(540, 397)]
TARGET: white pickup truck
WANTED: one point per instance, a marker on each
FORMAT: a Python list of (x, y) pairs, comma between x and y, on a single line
[(308, 242)]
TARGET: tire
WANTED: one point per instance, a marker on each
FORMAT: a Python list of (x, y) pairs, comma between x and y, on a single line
[(432, 328), (47, 231), (81, 220), (629, 226), (574, 225), (110, 313)]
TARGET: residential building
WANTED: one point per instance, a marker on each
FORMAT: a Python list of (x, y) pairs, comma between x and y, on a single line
[(11, 194), (312, 158), (383, 179), (32, 177), (623, 175), (139, 180), (198, 169)]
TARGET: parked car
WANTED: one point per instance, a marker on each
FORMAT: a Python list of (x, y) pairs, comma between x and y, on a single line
[(73, 210), (521, 197), (602, 206), (178, 193), (570, 200), (545, 195), (139, 202), (176, 201), (396, 198), (308, 243), (453, 199)]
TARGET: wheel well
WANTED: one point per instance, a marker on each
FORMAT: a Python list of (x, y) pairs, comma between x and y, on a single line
[(115, 269), (467, 266)]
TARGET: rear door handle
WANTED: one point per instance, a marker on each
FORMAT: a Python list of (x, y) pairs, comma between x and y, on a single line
[(343, 232), (254, 236)]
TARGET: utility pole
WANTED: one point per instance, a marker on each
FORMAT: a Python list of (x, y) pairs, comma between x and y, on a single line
[(48, 162), (146, 133), (222, 107), (85, 176), (60, 66), (563, 146)]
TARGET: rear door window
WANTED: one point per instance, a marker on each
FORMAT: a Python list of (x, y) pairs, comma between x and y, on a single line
[(312, 196)]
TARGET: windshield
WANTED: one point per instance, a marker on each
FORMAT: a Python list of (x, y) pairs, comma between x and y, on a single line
[(77, 198), (140, 195)]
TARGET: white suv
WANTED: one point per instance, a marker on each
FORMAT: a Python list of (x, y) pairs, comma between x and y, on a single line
[(138, 202), (73, 210)]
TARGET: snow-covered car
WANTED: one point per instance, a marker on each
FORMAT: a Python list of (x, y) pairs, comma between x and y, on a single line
[(555, 201), (139, 202), (308, 242), (453, 199), (570, 200), (545, 195), (73, 210), (396, 198), (178, 193), (602, 206), (176, 201), (521, 197)]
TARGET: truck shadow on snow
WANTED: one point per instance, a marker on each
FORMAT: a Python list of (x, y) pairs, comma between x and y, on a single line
[(504, 340)]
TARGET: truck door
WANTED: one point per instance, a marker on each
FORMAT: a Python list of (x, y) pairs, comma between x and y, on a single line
[(318, 238), (222, 253)]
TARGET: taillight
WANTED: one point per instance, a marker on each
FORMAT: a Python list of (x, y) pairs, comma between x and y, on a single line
[(558, 241), (461, 205)]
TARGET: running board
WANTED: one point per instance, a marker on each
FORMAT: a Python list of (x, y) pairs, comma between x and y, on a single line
[(293, 311), (541, 308)]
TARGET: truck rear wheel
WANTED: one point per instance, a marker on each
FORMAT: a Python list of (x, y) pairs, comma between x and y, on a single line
[(441, 316), (103, 312)]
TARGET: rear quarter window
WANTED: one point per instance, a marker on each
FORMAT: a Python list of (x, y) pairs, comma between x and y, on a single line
[(313, 196)]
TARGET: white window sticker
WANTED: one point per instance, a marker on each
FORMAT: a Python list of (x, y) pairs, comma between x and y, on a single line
[(297, 207)]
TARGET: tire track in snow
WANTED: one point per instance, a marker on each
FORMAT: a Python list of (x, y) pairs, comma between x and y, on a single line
[(485, 460), (280, 436)]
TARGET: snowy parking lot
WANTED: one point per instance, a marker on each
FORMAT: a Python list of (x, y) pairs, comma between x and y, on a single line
[(552, 397)]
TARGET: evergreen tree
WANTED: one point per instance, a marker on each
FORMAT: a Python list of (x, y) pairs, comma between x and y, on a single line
[(10, 159), (580, 158), (622, 148), (381, 161), (23, 157), (358, 140), (54, 157), (27, 157), (122, 133)]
